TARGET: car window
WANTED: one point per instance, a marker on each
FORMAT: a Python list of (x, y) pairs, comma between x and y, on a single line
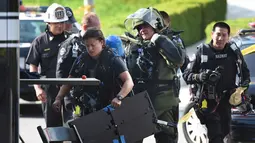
[(250, 58), (246, 46), (30, 29)]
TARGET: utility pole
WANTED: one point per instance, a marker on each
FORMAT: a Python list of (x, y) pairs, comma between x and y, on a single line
[(89, 6), (9, 75)]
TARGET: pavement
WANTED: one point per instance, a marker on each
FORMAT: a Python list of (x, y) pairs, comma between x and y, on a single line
[(240, 9)]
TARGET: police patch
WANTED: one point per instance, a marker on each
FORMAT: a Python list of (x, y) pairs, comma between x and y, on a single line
[(204, 58), (62, 51), (69, 13), (59, 13), (221, 56)]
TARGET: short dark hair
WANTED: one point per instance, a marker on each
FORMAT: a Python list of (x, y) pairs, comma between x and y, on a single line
[(165, 15), (93, 32), (221, 25)]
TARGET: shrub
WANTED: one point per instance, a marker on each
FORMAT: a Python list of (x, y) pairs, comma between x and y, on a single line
[(192, 16)]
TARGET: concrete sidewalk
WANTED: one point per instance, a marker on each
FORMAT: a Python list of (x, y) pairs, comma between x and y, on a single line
[(240, 9)]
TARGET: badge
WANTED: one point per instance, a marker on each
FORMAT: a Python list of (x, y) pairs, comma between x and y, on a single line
[(59, 13), (69, 13), (75, 50)]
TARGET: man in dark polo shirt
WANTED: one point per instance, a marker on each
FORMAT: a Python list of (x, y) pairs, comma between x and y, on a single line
[(43, 52)]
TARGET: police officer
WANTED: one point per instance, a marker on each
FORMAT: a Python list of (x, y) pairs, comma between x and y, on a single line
[(74, 46), (175, 36), (100, 62), (158, 60), (71, 48), (71, 25), (43, 52), (225, 59)]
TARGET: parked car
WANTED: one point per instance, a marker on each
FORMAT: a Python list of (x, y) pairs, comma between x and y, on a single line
[(242, 125), (31, 26)]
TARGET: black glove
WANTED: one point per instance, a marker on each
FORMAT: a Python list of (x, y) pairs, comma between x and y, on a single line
[(201, 77)]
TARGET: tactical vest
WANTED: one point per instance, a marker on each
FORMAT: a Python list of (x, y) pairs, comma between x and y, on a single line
[(174, 36), (149, 69), (104, 71), (74, 42), (208, 57), (178, 42)]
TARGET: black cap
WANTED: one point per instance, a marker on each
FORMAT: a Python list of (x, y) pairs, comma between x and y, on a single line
[(70, 15)]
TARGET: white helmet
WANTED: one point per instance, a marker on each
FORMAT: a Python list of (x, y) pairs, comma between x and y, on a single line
[(55, 13)]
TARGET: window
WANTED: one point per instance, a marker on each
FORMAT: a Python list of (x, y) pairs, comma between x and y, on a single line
[(250, 58), (246, 45), (30, 29)]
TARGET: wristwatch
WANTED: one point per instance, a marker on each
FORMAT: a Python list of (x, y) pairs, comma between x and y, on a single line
[(119, 97)]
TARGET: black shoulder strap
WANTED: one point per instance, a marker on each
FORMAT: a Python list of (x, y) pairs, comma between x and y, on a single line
[(107, 53), (238, 53), (202, 47), (234, 47), (67, 41), (81, 62)]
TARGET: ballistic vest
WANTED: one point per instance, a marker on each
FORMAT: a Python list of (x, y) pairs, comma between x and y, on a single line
[(103, 70), (228, 58)]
